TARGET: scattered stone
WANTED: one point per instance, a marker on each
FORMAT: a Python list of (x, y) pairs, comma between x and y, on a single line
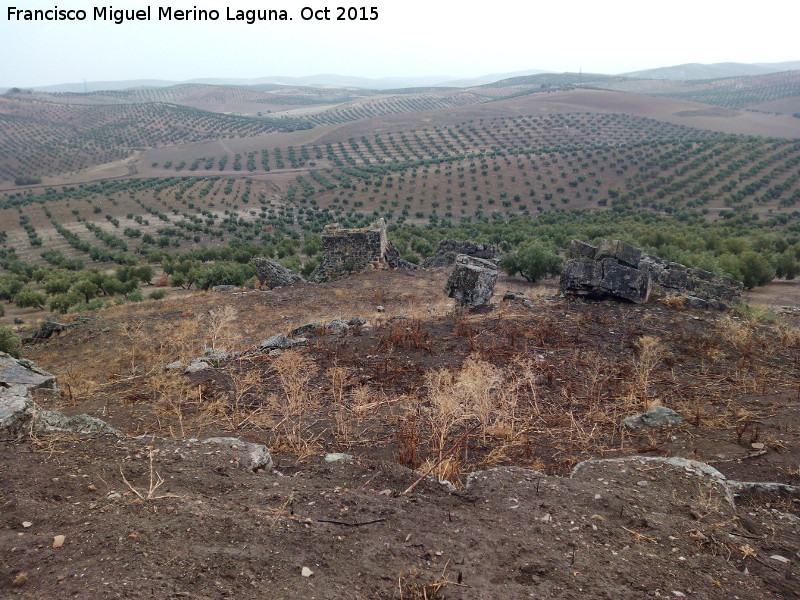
[(215, 355), (173, 366), (472, 281), (223, 288), (347, 251), (337, 456), (518, 298), (83, 424), (308, 330), (254, 457), (197, 365), (338, 327), (448, 250), (273, 274), (380, 309), (20, 580), (357, 322), (780, 558), (658, 417), (306, 572), (27, 524), (281, 342), (58, 541)]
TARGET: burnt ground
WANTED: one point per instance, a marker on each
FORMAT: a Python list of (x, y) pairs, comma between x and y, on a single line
[(525, 392)]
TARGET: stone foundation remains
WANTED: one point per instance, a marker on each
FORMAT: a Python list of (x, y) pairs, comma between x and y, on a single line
[(346, 251), (619, 270)]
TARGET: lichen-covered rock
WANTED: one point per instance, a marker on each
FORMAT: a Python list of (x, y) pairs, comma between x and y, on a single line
[(471, 284), (617, 269), (338, 326), (658, 417), (18, 371), (448, 250), (624, 253), (607, 277), (272, 274), (308, 330), (281, 342)]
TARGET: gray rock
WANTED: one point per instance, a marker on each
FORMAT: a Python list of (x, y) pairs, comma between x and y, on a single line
[(308, 330), (223, 288), (19, 414), (215, 355), (52, 420), (620, 251), (15, 410), (605, 278), (618, 270), (248, 455), (272, 274), (18, 371), (338, 326), (337, 456), (173, 366), (695, 302), (472, 281), (579, 249), (197, 365), (281, 342), (658, 417), (380, 309), (356, 322)]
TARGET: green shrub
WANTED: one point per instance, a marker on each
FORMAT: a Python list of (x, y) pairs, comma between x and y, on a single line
[(10, 342), (157, 294), (533, 261)]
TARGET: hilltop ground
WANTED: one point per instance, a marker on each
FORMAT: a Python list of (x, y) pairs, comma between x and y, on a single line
[(533, 389)]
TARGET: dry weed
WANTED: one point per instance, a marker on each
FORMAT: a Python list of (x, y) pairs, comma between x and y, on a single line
[(649, 352), (296, 400), (222, 332), (674, 301)]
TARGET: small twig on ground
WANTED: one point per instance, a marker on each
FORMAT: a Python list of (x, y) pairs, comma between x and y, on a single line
[(335, 522)]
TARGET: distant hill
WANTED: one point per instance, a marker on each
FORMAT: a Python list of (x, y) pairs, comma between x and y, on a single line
[(552, 79), (691, 71)]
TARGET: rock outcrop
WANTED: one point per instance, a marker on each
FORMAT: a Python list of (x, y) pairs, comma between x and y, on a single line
[(448, 250), (19, 414), (346, 251), (618, 270), (272, 274), (472, 281)]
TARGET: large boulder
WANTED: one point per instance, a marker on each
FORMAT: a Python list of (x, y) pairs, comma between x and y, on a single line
[(272, 274), (604, 278), (472, 281), (618, 270)]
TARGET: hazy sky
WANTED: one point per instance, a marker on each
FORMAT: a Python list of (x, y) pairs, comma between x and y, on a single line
[(410, 37)]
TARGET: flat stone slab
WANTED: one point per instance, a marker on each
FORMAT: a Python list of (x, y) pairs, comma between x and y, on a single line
[(23, 372)]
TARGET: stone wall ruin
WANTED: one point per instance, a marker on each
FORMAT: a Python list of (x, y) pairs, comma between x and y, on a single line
[(347, 251), (618, 270)]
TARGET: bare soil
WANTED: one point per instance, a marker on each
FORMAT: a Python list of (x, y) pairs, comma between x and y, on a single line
[(522, 529)]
